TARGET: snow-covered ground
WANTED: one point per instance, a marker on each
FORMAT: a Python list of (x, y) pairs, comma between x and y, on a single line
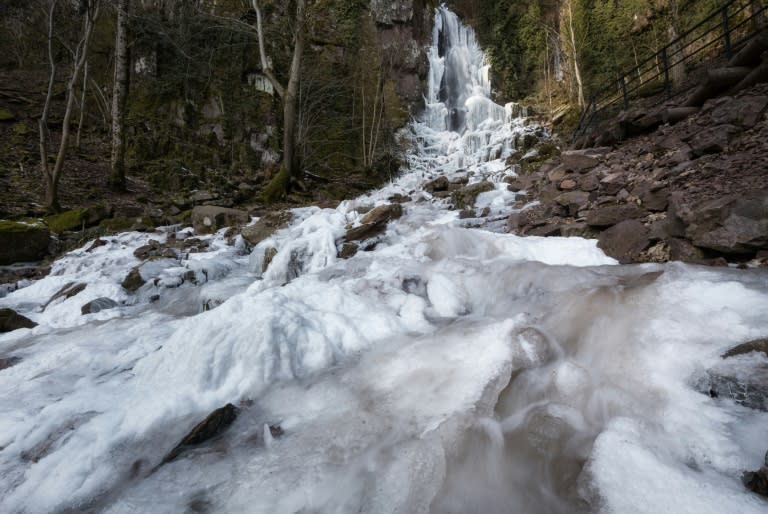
[(448, 369)]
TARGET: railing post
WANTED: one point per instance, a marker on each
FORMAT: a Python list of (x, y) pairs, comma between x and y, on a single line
[(726, 31), (623, 84), (665, 63)]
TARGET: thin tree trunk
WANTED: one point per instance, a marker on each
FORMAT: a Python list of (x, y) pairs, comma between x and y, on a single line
[(82, 105), (265, 65), (576, 70), (290, 100), (43, 121), (81, 55), (119, 96)]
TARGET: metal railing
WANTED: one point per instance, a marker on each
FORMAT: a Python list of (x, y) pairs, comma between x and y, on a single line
[(666, 71)]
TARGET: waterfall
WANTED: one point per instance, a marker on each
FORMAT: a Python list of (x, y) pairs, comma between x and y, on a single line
[(460, 120)]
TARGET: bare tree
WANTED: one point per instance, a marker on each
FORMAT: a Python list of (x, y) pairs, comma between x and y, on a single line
[(574, 48), (120, 95), (90, 12)]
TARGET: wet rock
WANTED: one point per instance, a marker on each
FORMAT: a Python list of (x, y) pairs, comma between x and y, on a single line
[(99, 304), (439, 184), (466, 213), (214, 424), (68, 291), (207, 219), (269, 254), (7, 362), (11, 320), (348, 250), (683, 250), (265, 227), (399, 198), (758, 345), (612, 214), (96, 244), (133, 281), (151, 249), (466, 196), (22, 241), (757, 481), (383, 214), (624, 241)]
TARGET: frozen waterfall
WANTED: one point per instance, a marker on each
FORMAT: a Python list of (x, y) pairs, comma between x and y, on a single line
[(447, 367)]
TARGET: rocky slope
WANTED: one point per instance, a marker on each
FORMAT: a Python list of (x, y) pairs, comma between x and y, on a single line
[(696, 191)]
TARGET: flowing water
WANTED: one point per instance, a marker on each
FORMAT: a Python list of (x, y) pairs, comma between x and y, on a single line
[(450, 368)]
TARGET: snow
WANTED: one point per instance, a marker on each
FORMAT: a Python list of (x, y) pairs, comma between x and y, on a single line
[(450, 368)]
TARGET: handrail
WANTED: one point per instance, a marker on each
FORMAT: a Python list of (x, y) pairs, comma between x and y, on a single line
[(731, 28)]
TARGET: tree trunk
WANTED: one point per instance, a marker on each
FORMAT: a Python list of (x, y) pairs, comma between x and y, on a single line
[(80, 56), (574, 55), (290, 100), (84, 88), (43, 121), (119, 96)]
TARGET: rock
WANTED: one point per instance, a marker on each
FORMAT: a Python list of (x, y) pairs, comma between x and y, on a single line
[(712, 139), (579, 160), (744, 111), (67, 291), (202, 196), (7, 362), (133, 281), (364, 232), (683, 250), (613, 214), (624, 241), (613, 183), (399, 198), (265, 227), (757, 481), (589, 183), (11, 320), (269, 254), (439, 184), (734, 224), (466, 213), (207, 219), (96, 244), (151, 249), (348, 250), (214, 424), (466, 196), (99, 304), (546, 230), (557, 174), (567, 185), (573, 201), (758, 345), (383, 214), (21, 241), (656, 201)]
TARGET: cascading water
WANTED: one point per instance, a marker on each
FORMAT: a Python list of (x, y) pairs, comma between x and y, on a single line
[(446, 369)]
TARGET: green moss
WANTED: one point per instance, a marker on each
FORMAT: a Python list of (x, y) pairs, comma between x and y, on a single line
[(21, 129), (68, 220), (277, 187), (6, 115), (117, 224), (25, 225)]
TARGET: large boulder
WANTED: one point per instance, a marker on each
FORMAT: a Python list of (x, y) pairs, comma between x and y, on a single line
[(213, 425), (99, 304), (265, 227), (439, 184), (735, 224), (11, 320), (466, 196), (713, 139), (573, 201), (624, 241), (22, 241), (744, 111), (210, 218)]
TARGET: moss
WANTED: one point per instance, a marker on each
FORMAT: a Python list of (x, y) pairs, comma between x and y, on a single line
[(68, 220), (117, 224), (21, 129), (277, 187), (6, 115), (25, 225)]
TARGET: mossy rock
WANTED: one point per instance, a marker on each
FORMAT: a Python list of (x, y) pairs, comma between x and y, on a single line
[(6, 115), (276, 189), (68, 220), (119, 224), (23, 240)]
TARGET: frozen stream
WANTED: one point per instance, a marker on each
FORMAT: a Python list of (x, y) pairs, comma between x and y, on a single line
[(448, 369)]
